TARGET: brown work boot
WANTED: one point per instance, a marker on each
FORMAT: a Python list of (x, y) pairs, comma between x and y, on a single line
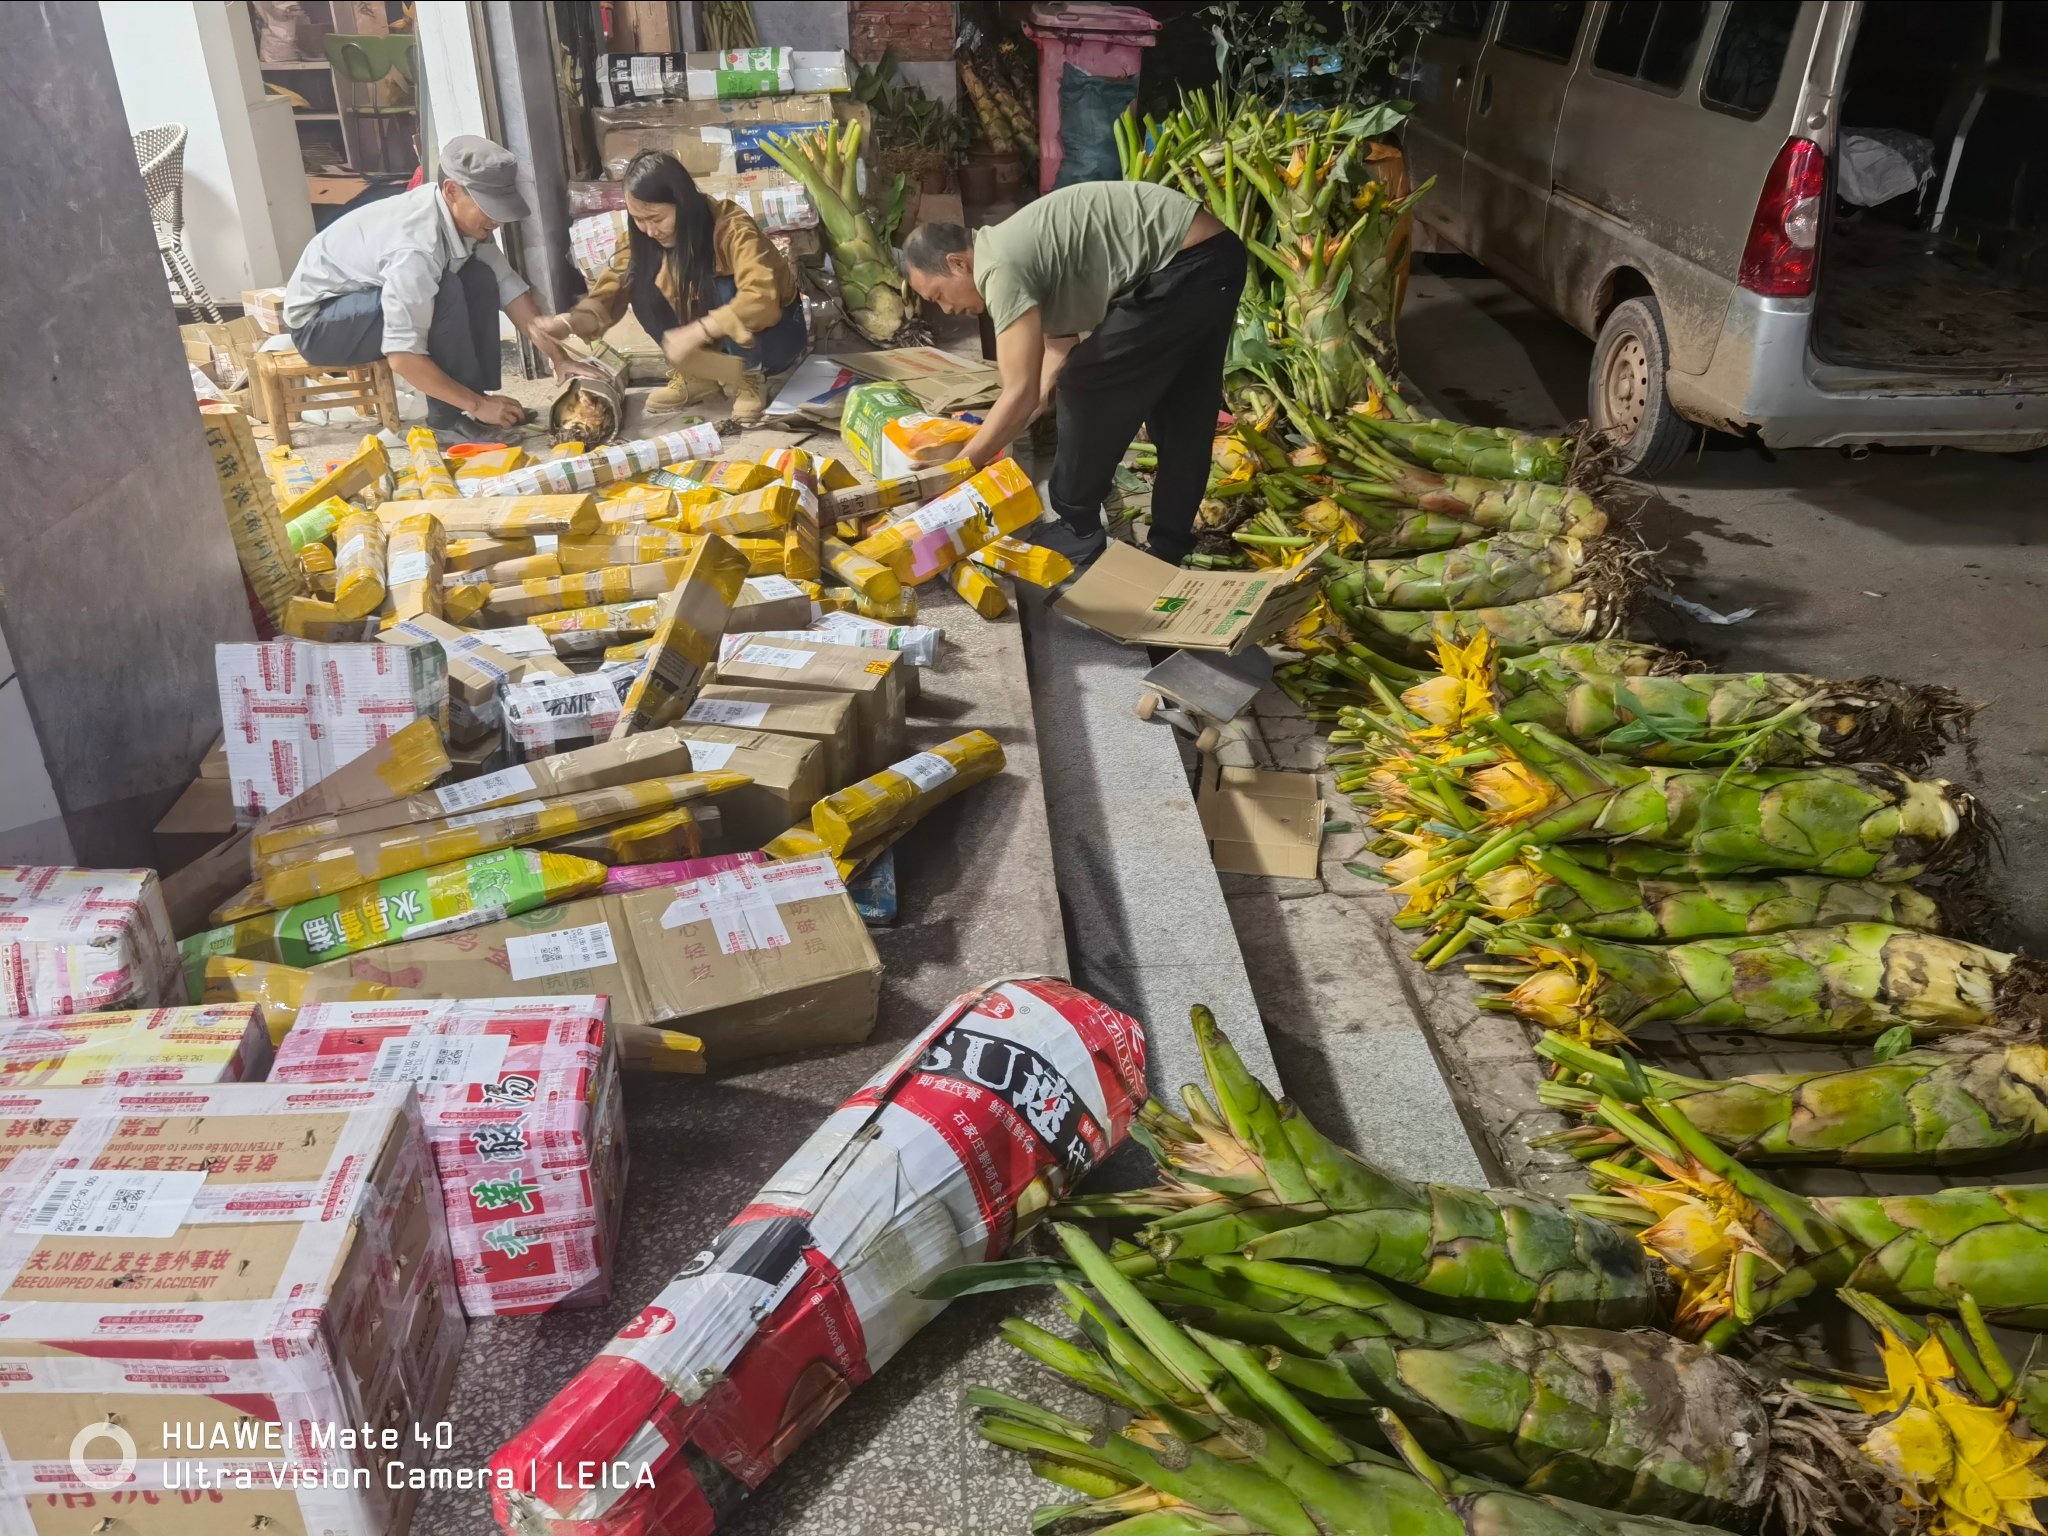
[(681, 390), (750, 400)]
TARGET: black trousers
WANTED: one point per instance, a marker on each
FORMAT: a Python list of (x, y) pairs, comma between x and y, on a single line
[(463, 339), (1156, 361)]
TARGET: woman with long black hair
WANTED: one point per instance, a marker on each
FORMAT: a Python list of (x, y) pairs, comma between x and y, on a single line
[(696, 272)]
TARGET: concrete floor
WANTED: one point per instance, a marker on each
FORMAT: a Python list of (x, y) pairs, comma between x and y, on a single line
[(1928, 568)]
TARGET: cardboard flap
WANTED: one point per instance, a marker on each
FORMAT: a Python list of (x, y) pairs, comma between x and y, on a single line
[(1130, 596), (1261, 823)]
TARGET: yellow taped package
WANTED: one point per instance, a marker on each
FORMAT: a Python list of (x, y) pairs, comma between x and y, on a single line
[(927, 440), (692, 617), (585, 589), (733, 479), (345, 864), (857, 500), (509, 573), (402, 764), (632, 650), (870, 578), (246, 902), (793, 466), (1027, 562), (414, 555), (314, 618), (591, 629), (764, 510), (278, 991), (358, 566), (838, 600), (979, 589), (290, 475), (802, 843), (463, 594), (403, 486), (905, 792), (361, 473), (801, 549), (480, 554), (261, 544), (137, 1048), (490, 463), (764, 556), (898, 608), (318, 559), (662, 838), (628, 501), (429, 469), (653, 755), (929, 541), (519, 517), (595, 554), (833, 475)]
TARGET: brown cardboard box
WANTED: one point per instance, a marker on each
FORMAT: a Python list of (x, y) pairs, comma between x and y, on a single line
[(503, 517), (223, 351), (805, 974), (814, 715), (1130, 596), (191, 894), (1261, 823), (770, 602), (788, 774), (215, 764), (407, 760), (330, 1308), (877, 679), (202, 819), (477, 672)]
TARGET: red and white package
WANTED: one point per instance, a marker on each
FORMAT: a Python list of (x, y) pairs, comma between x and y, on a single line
[(526, 1120), (1004, 1101)]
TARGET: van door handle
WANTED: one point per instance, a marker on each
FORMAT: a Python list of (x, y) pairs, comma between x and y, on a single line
[(1485, 94), (1458, 80)]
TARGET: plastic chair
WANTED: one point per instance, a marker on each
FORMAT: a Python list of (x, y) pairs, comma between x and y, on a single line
[(364, 59), (160, 155)]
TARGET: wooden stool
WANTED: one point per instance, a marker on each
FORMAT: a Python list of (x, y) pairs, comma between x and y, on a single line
[(292, 386)]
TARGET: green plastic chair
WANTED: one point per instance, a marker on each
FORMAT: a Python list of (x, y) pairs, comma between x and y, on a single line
[(364, 59)]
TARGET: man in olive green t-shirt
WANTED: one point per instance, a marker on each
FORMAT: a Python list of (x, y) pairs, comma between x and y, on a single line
[(1125, 292)]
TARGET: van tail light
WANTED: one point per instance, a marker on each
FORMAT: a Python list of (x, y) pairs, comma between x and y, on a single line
[(1784, 237)]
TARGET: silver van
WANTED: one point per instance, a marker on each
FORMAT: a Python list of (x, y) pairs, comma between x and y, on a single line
[(1825, 223)]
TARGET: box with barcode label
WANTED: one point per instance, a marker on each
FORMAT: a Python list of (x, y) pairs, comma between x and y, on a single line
[(523, 1112), (216, 1270), (138, 1048), (546, 715), (765, 959), (877, 680), (811, 714), (788, 775)]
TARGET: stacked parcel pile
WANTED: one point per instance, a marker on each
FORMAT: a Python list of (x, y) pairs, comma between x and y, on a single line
[(227, 1275)]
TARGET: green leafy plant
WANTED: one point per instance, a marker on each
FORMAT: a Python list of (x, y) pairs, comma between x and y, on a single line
[(1290, 53)]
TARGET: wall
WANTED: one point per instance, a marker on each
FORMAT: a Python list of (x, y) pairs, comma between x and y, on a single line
[(116, 571), (247, 215), (921, 32)]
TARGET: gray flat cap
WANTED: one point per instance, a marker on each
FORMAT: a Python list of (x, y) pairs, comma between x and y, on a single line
[(488, 173)]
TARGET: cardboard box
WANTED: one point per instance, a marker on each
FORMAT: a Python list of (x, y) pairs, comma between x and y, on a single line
[(541, 595), (942, 381), (202, 819), (266, 307), (273, 572), (904, 491), (788, 774), (138, 1048), (802, 107), (691, 617), (768, 958), (560, 714), (84, 940), (222, 352), (405, 761), (510, 514), (285, 1263), (680, 833), (599, 467), (478, 672), (877, 680), (770, 602), (215, 764), (1132, 597), (296, 710), (524, 1114), (1261, 823), (818, 715), (192, 894)]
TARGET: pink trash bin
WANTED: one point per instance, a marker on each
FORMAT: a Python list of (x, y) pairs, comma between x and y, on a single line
[(1101, 40)]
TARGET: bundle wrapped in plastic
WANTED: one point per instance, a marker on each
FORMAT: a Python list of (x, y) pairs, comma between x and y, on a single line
[(944, 1157), (1034, 563), (601, 466), (922, 544), (415, 554), (978, 589), (595, 554), (763, 511), (429, 470), (358, 566), (905, 792)]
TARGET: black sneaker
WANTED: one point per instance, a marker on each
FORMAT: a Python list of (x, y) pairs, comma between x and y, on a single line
[(459, 427), (1080, 548)]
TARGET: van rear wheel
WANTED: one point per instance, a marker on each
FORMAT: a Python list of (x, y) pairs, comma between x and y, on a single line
[(1625, 394)]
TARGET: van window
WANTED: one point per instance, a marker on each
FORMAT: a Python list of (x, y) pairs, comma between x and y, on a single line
[(1653, 42), (1547, 28), (1465, 18), (1749, 55)]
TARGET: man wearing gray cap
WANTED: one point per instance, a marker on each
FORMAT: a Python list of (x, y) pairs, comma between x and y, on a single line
[(417, 280)]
